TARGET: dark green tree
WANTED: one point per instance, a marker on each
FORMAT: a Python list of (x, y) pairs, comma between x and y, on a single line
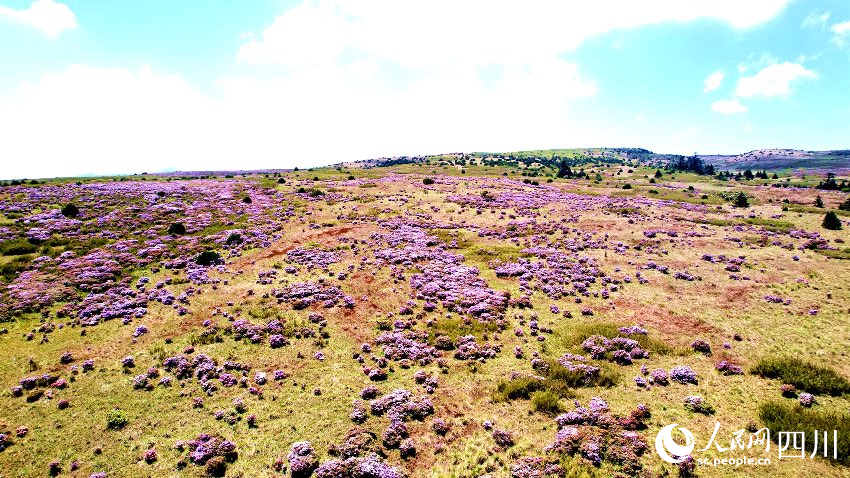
[(70, 210), (818, 201), (741, 200), (831, 221), (177, 229)]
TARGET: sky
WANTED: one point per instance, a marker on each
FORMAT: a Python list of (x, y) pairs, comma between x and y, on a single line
[(105, 87)]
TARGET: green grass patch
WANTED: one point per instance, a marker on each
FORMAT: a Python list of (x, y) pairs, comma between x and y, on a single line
[(835, 254), (546, 401), (787, 416), (456, 327), (772, 225), (805, 376)]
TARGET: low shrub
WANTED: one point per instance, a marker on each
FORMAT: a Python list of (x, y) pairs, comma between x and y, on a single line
[(177, 229), (518, 388), (779, 416), (207, 258), (17, 247), (70, 210), (116, 419), (545, 401), (807, 377)]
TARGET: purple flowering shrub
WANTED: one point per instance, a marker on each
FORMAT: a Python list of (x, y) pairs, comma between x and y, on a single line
[(210, 451), (697, 404), (683, 374), (595, 434), (620, 350), (302, 459)]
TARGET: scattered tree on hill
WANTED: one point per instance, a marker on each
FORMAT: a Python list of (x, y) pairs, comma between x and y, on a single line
[(693, 164), (830, 184), (845, 206), (207, 258), (741, 200), (831, 221), (818, 201), (564, 170)]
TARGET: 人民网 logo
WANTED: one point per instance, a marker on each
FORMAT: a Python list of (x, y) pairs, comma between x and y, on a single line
[(669, 450)]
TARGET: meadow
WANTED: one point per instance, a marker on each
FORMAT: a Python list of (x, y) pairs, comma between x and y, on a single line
[(432, 318)]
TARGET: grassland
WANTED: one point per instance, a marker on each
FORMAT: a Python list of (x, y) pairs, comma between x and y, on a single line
[(674, 221)]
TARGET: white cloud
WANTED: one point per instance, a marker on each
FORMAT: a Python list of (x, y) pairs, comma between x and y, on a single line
[(51, 17), (713, 81), (640, 118), (728, 107), (88, 119), (816, 19), (774, 80), (337, 80), (841, 33), (757, 62), (445, 32)]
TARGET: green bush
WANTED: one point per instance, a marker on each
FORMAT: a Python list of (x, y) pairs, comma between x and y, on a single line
[(69, 210), (427, 181), (116, 419), (805, 376), (520, 387), (545, 401), (11, 269), (207, 258), (177, 229), (788, 416), (233, 238), (557, 380), (17, 247), (627, 186)]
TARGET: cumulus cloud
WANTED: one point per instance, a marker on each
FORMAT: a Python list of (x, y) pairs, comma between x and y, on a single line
[(728, 107), (712, 81), (841, 33), (51, 17), (774, 80)]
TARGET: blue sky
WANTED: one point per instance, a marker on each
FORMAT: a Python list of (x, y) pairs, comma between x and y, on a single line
[(96, 86)]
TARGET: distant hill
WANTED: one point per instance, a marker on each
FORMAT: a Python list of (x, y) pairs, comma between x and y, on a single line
[(837, 161)]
